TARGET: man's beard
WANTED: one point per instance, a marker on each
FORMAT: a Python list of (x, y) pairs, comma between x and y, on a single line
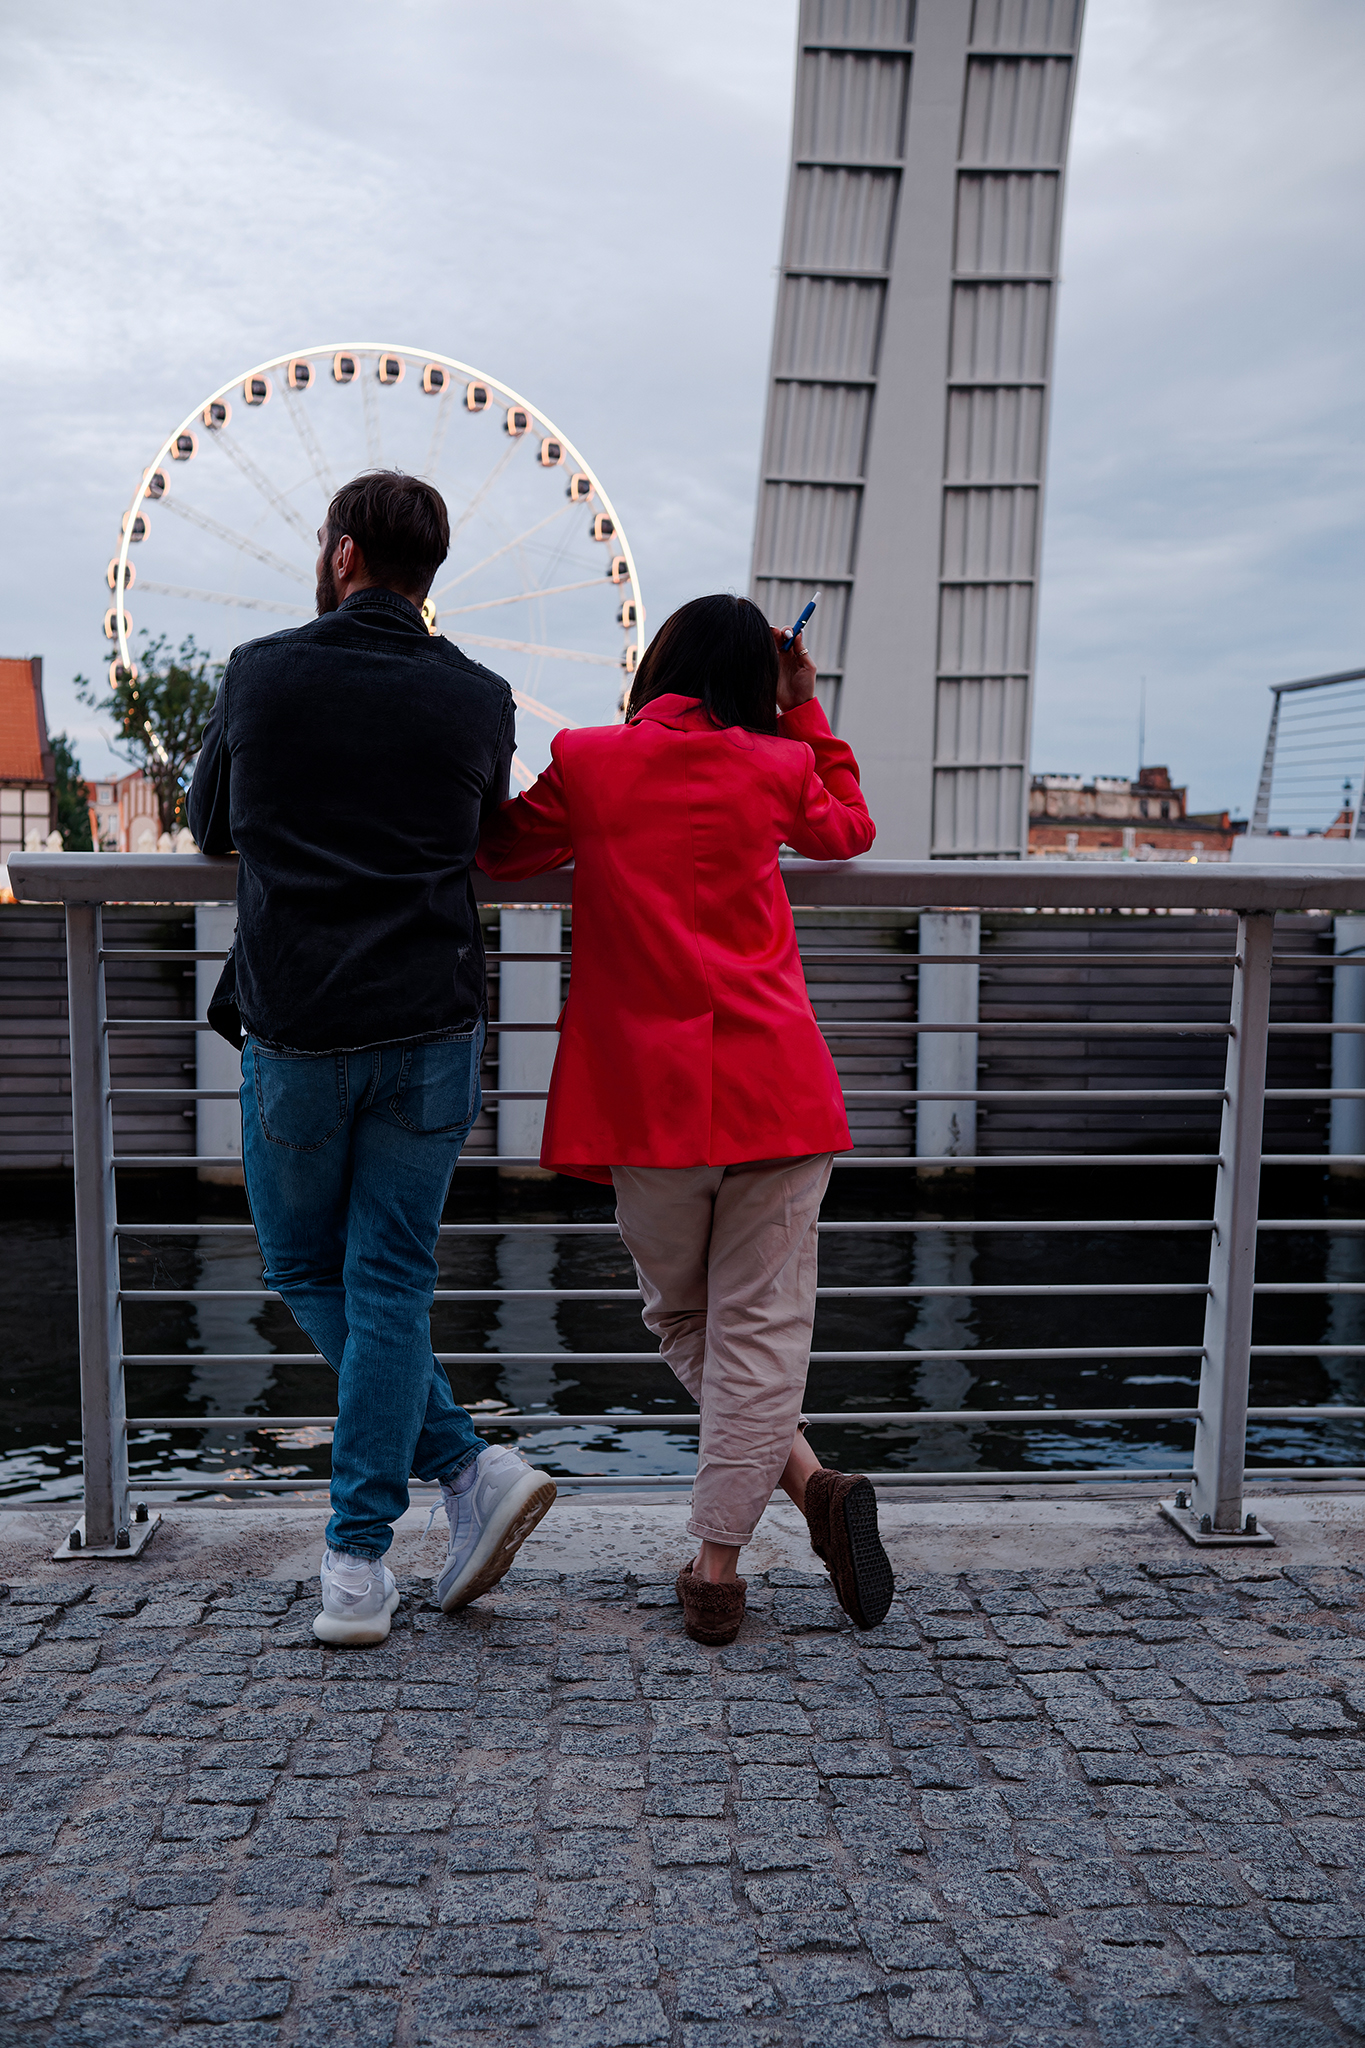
[(328, 598)]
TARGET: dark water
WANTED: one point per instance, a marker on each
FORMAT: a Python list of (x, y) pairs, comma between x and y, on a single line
[(40, 1427)]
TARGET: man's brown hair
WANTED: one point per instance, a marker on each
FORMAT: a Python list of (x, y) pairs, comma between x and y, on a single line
[(400, 525)]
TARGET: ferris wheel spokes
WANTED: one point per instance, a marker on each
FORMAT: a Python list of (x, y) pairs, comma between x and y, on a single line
[(246, 604), (506, 547), (261, 483), (487, 604), (240, 541), (312, 447)]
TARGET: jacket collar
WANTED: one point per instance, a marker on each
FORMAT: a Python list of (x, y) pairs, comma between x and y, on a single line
[(686, 714), (375, 599)]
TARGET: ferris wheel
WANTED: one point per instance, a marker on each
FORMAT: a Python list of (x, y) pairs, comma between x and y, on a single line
[(220, 538)]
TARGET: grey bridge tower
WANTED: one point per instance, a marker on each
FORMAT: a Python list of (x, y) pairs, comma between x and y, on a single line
[(906, 432)]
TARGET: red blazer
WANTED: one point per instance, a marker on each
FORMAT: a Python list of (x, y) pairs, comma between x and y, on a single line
[(688, 1038)]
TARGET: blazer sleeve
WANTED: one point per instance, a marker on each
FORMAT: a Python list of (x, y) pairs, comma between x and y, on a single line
[(532, 833), (831, 820)]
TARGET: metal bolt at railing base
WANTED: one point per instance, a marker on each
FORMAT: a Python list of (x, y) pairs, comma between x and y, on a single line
[(1182, 1499), (140, 1511), (73, 1541), (1206, 1525), (1250, 1525), (122, 1541)]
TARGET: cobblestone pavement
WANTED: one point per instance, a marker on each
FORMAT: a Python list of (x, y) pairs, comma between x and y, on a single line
[(1102, 1806)]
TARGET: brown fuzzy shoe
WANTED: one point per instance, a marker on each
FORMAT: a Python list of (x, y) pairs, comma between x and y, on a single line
[(711, 1614), (841, 1509)]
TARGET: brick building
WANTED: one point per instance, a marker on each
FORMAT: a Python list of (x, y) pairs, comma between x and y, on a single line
[(1115, 818), (28, 776)]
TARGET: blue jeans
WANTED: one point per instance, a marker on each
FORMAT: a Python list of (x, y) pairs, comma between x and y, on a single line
[(348, 1161)]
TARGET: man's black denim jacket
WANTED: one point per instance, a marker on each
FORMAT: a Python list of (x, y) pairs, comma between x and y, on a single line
[(349, 763)]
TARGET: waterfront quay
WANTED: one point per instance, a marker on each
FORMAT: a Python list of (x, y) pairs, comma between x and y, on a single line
[(1113, 1795)]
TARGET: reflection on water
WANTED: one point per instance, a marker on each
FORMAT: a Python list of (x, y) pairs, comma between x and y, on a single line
[(529, 1353)]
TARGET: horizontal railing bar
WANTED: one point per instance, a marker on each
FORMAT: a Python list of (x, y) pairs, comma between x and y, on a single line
[(929, 1162), (1047, 1094), (993, 1027), (835, 1418), (1324, 1411), (890, 1292), (1304, 1472), (997, 1095), (679, 1482), (984, 884), (682, 1481), (135, 1422), (1013, 1027), (858, 955), (1308, 1350), (1086, 1224), (654, 1357), (188, 1094)]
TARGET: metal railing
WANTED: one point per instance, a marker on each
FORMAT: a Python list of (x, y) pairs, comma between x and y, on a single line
[(1216, 1474)]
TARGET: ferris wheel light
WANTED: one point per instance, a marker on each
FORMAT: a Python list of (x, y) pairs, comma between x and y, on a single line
[(551, 453), (518, 421), (256, 390), (604, 527), (155, 480), (216, 415), (299, 374), (618, 569), (630, 614), (580, 488), (630, 660), (391, 369), (343, 368), (429, 616), (476, 397), (112, 577), (435, 380), (135, 528), (184, 448), (121, 672), (111, 623)]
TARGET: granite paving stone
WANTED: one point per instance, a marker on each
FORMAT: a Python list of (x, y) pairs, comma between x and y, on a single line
[(1033, 1810)]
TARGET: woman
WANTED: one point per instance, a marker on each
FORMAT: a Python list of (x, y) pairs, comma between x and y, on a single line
[(691, 1073)]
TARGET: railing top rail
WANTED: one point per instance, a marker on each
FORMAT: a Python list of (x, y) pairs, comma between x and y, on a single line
[(908, 884)]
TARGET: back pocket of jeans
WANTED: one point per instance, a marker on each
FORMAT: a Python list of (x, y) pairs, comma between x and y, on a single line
[(438, 1089), (301, 1100)]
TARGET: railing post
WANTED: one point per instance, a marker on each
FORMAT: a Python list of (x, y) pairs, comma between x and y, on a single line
[(529, 992), (1220, 1436), (947, 995), (103, 1435), (1347, 1123)]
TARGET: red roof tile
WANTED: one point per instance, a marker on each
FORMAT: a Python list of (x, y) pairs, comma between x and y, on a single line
[(23, 728)]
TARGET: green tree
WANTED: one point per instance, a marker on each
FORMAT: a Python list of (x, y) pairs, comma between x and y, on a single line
[(73, 813), (160, 715)]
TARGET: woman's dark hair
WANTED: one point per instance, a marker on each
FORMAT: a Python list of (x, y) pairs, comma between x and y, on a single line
[(720, 649), (398, 522)]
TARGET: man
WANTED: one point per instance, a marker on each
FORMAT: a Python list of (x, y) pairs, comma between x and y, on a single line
[(350, 763)]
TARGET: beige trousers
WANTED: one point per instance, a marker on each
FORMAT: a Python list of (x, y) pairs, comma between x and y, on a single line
[(727, 1262)]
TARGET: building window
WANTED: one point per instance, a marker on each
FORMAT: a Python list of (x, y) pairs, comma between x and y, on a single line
[(1165, 810), (1142, 807)]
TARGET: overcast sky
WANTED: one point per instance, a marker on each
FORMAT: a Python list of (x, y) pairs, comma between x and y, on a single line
[(585, 199)]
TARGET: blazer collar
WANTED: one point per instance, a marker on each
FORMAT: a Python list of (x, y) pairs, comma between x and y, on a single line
[(685, 714)]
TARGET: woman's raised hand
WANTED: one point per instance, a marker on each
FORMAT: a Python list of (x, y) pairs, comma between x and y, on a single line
[(795, 672)]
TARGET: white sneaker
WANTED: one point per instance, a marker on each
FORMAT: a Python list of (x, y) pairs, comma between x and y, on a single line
[(358, 1597), (490, 1515)]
